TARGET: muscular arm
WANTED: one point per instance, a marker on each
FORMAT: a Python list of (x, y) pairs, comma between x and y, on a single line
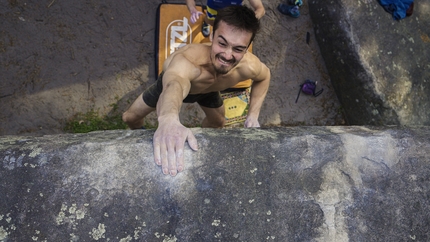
[(170, 136), (259, 89), (258, 7), (175, 89)]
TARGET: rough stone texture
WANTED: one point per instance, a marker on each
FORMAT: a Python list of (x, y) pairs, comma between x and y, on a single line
[(283, 184), (379, 67)]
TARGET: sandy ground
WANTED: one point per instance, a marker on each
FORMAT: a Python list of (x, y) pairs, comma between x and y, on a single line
[(58, 58)]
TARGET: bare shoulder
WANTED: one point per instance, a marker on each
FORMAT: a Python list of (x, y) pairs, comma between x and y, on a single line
[(252, 66), (193, 50), (186, 62), (194, 54)]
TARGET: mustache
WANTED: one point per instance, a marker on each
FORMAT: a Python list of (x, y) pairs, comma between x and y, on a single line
[(232, 60)]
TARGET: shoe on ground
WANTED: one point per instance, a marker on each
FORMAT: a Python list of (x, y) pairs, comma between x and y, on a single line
[(206, 30), (295, 2), (292, 11)]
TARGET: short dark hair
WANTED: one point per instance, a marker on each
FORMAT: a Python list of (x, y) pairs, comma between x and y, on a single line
[(240, 17)]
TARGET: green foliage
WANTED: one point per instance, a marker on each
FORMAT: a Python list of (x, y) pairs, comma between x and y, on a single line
[(91, 121), (148, 125)]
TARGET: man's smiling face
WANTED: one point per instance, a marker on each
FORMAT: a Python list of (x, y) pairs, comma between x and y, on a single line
[(229, 45)]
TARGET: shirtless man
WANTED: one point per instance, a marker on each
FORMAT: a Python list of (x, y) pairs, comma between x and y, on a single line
[(212, 7), (196, 73)]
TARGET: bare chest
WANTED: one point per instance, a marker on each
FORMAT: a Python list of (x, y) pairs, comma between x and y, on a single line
[(210, 83)]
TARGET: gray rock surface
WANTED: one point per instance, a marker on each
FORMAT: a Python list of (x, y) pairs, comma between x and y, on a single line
[(280, 184), (379, 67)]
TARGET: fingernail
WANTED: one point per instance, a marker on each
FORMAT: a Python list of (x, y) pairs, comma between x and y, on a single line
[(173, 173), (165, 171), (180, 168)]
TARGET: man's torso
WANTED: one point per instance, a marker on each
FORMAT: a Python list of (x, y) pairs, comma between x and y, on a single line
[(207, 80)]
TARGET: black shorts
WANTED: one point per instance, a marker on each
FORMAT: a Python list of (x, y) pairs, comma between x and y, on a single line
[(209, 100)]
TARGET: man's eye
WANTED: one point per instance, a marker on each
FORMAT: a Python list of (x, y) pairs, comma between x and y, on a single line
[(239, 50), (222, 44)]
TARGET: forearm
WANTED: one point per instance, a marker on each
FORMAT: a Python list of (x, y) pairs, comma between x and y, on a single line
[(191, 5), (258, 7), (170, 102), (258, 94), (260, 12)]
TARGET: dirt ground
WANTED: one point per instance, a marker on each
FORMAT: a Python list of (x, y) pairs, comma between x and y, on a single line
[(58, 58)]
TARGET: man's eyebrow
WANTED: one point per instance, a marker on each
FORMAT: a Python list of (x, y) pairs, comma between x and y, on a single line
[(222, 37), (239, 46)]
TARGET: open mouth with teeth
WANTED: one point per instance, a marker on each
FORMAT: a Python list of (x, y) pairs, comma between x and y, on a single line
[(225, 62)]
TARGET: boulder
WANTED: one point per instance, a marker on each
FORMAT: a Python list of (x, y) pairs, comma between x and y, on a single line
[(378, 66), (280, 184)]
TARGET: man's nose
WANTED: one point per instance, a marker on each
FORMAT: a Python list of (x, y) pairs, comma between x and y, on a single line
[(229, 54)]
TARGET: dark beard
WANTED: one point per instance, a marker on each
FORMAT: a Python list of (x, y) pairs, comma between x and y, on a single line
[(221, 70)]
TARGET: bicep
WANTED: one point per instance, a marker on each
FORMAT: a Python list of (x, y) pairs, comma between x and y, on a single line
[(180, 72), (174, 82), (262, 72)]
